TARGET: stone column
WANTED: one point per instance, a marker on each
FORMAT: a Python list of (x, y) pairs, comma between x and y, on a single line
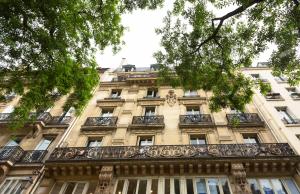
[(239, 180), (105, 184)]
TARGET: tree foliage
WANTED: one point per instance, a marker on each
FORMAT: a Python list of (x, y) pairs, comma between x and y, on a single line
[(207, 51), (48, 46)]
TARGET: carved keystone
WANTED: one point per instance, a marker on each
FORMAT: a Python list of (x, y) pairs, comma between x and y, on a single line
[(240, 183), (105, 180)]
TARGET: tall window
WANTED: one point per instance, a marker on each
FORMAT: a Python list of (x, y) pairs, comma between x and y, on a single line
[(14, 185), (152, 93), (264, 185), (285, 115), (115, 93), (44, 143), (14, 141), (107, 112), (150, 111), (145, 140), (250, 138), (197, 140), (94, 142), (190, 93), (192, 110), (70, 188)]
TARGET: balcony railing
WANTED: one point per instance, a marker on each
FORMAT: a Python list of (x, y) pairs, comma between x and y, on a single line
[(295, 95), (148, 75), (244, 119), (197, 119), (33, 156), (161, 152), (5, 117), (11, 153), (60, 120), (273, 96), (148, 120), (101, 121), (290, 121)]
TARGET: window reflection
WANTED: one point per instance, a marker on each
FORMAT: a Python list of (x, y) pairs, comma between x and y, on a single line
[(213, 186)]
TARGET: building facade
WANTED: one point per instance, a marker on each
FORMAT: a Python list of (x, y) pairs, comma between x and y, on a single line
[(137, 137)]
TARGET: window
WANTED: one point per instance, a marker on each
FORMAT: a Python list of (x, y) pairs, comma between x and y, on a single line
[(44, 143), (107, 112), (291, 89), (192, 110), (190, 93), (281, 79), (282, 186), (250, 138), (145, 140), (191, 185), (152, 93), (255, 76), (150, 111), (285, 115), (15, 141), (94, 142), (14, 185), (70, 188), (8, 109), (197, 140), (115, 93), (293, 93)]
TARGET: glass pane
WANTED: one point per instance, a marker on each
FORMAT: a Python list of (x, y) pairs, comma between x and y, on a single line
[(266, 186), (120, 187), (142, 187), (79, 189), (189, 186), (43, 145), (4, 185), (177, 186), (56, 188), (291, 186), (132, 186), (154, 186), (19, 188), (12, 143), (201, 186), (225, 186), (254, 186), (213, 186), (11, 185), (167, 186), (70, 187), (278, 186)]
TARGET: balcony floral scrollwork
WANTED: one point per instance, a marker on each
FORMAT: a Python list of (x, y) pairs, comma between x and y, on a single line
[(33, 156), (161, 152), (244, 119), (100, 122), (11, 153), (195, 120), (148, 121)]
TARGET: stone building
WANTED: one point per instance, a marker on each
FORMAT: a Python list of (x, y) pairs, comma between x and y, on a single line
[(137, 137)]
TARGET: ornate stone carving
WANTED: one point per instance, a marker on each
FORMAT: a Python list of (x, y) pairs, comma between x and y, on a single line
[(105, 180), (171, 98), (240, 183)]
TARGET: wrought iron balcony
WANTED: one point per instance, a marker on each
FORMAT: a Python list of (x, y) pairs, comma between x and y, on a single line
[(60, 120), (148, 121), (295, 95), (273, 96), (165, 152), (244, 119), (291, 121), (195, 120), (33, 156), (100, 122), (5, 117), (10, 153)]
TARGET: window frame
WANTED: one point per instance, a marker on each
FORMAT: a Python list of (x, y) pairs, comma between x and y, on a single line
[(149, 107), (65, 184), (145, 136), (203, 136), (193, 112), (154, 93), (19, 180), (117, 91), (90, 139), (257, 137), (108, 112)]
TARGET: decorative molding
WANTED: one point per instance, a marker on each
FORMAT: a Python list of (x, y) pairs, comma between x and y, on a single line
[(171, 98), (240, 183), (150, 101), (105, 185), (192, 100)]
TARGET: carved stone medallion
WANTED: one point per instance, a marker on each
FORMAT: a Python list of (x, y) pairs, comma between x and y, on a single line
[(171, 97)]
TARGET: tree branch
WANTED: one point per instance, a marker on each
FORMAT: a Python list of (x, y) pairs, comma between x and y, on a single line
[(222, 19)]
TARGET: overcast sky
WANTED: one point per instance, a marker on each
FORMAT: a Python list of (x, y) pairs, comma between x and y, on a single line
[(141, 41)]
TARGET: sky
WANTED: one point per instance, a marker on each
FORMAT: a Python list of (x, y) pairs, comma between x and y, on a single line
[(141, 41)]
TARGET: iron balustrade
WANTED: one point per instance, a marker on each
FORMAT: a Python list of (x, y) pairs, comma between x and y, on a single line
[(295, 95), (273, 96), (33, 156), (148, 120), (60, 120), (195, 119), (160, 152), (244, 118), (101, 121), (11, 153), (5, 116)]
